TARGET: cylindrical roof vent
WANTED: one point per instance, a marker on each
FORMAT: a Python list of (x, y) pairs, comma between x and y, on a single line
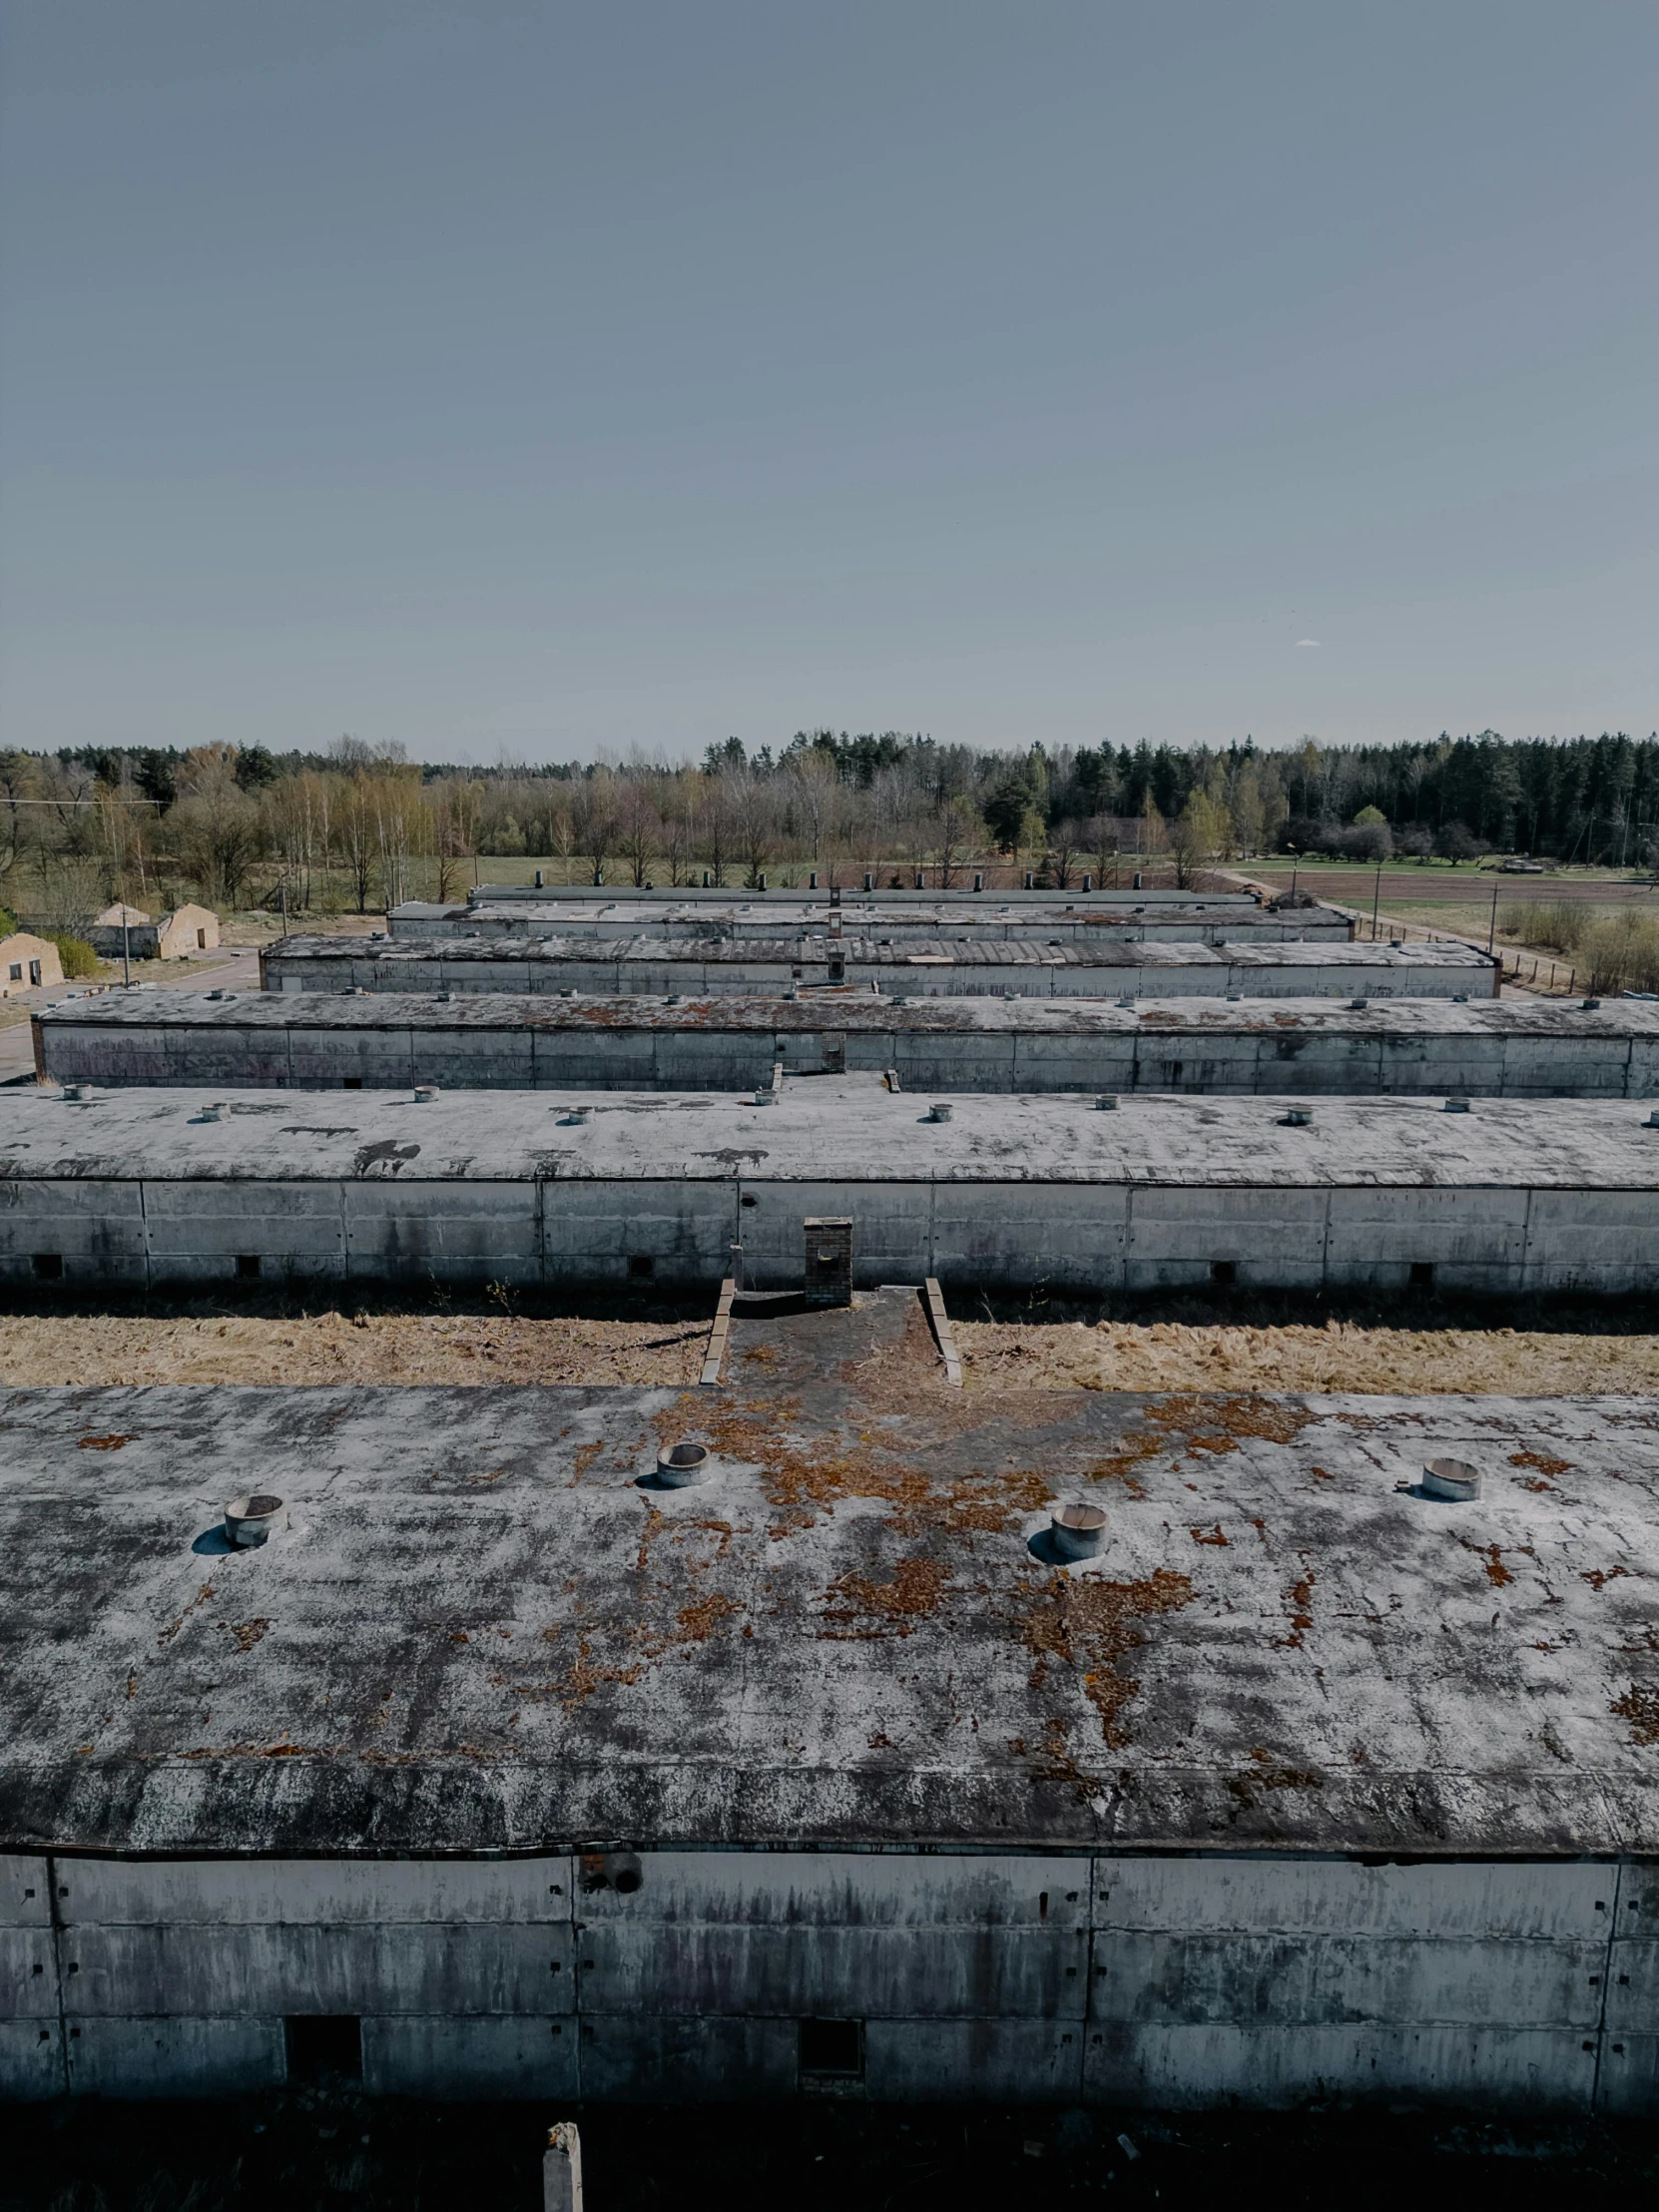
[(578, 1116), (1106, 1103), (938, 1112), (1078, 1530), (249, 1520), (1450, 1480), (1456, 1106), (1297, 1116), (680, 1465), (425, 1093)]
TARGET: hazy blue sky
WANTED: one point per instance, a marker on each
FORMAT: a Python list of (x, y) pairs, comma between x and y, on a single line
[(534, 379)]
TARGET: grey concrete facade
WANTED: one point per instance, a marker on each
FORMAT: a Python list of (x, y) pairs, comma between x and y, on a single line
[(1061, 1977), (144, 1187), (940, 968), (1505, 1048), (563, 1785)]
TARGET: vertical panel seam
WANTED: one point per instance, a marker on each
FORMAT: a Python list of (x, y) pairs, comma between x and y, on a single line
[(1614, 1903), (57, 1967)]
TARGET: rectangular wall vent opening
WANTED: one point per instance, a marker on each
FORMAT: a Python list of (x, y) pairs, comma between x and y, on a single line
[(641, 1265), (1422, 1275), (1224, 1274), (323, 2046), (833, 2048), (48, 1267), (247, 1267)]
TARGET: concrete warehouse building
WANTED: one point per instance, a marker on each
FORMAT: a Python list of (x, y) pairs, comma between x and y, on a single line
[(142, 1187), (979, 923), (942, 967), (498, 1769), (1513, 1047)]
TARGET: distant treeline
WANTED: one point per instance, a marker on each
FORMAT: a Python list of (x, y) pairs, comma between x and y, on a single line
[(360, 825)]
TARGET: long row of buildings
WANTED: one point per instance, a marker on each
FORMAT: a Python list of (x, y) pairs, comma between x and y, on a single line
[(830, 1728)]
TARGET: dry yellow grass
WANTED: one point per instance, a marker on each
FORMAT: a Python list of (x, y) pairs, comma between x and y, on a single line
[(37, 1349), (1342, 1355)]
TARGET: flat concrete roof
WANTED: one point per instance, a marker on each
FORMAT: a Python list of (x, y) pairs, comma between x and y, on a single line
[(475, 1630), (895, 895), (870, 916), (846, 1129), (844, 1009), (919, 955)]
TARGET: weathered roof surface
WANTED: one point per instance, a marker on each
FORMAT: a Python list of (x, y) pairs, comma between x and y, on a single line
[(870, 917), (478, 1630), (843, 1128), (898, 897), (868, 951), (843, 1008)]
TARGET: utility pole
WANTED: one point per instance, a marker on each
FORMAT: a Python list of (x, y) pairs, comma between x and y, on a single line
[(1491, 933), (1375, 899), (126, 950)]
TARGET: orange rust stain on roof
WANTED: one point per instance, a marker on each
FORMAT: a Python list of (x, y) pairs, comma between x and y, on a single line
[(1091, 1625), (914, 1591), (1541, 1461)]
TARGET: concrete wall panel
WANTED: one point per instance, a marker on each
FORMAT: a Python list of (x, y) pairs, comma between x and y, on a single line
[(1628, 2080), (176, 2057), (838, 1972), (94, 1228), (1302, 1980), (1175, 1236), (239, 1972), (1572, 1236), (950, 2062), (656, 2058), (1538, 2069), (332, 1893), (448, 1231), (441, 2057), (28, 1974), (1473, 1239), (592, 1230), (1017, 1233), (1498, 1900), (31, 2060), (195, 1231), (25, 1899)]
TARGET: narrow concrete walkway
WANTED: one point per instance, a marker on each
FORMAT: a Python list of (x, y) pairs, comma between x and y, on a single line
[(234, 968)]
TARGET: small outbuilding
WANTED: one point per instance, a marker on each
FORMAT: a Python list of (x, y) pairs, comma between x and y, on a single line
[(176, 936), (27, 963), (186, 931)]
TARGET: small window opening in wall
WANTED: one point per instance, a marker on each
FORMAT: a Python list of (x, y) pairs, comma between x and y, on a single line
[(1224, 1272), (1422, 1275), (352, 1083), (248, 1266), (325, 2045), (48, 1267), (833, 2048), (641, 1265)]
